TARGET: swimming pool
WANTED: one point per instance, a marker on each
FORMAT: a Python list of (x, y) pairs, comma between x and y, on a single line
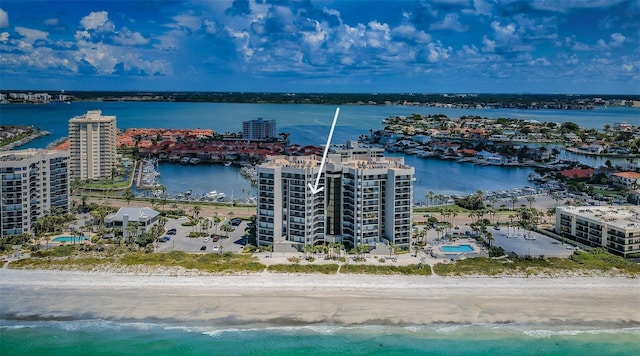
[(71, 238), (456, 248)]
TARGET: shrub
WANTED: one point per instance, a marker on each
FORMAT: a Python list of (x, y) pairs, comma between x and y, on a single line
[(296, 268)]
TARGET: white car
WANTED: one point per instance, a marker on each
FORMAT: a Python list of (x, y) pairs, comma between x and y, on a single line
[(206, 239), (216, 249)]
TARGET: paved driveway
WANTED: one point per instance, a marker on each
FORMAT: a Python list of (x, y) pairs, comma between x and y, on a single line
[(540, 246), (182, 242)]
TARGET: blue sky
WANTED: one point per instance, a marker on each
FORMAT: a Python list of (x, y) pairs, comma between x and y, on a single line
[(463, 46)]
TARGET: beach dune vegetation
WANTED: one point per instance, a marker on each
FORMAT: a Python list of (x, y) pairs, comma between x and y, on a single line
[(596, 261)]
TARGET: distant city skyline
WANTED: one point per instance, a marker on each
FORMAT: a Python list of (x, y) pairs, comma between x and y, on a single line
[(460, 46)]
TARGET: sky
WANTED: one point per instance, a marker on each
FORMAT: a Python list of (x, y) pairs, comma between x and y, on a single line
[(358, 46)]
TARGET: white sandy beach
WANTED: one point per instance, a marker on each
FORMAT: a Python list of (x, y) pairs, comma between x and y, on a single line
[(278, 299)]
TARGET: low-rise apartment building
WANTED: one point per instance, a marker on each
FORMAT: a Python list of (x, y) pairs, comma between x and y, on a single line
[(614, 228)]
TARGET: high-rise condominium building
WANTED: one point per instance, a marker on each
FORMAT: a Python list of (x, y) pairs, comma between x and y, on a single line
[(367, 199), (258, 129), (33, 183), (92, 148)]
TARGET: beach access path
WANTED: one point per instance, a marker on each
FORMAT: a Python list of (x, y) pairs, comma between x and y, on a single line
[(291, 299)]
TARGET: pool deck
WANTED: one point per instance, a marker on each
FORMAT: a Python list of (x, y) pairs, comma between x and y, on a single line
[(436, 251)]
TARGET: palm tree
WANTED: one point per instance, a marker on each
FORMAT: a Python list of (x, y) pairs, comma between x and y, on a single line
[(132, 231), (489, 237), (530, 199), (430, 196), (514, 200), (196, 211)]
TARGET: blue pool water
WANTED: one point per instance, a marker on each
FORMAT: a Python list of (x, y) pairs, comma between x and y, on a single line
[(70, 238), (456, 248)]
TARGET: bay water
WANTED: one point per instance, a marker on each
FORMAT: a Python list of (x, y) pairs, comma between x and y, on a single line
[(307, 125)]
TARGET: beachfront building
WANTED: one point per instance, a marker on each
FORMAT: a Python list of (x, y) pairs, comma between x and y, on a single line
[(92, 145), (366, 200), (142, 217), (614, 228), (34, 183), (259, 129)]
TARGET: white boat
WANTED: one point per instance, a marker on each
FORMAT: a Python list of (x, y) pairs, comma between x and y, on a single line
[(227, 164), (212, 195)]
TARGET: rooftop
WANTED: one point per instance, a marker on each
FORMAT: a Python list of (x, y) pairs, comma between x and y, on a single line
[(623, 217)]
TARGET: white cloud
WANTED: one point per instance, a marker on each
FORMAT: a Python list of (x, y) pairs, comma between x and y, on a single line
[(191, 22), (314, 38), (579, 46), (95, 20), (4, 37), (4, 19), (98, 55), (379, 36), (482, 7), (410, 33), (210, 27), (30, 35), (565, 5), (617, 39), (572, 59), (489, 45), (504, 33), (129, 38), (449, 22), (627, 67), (437, 52), (51, 22), (540, 62), (82, 35)]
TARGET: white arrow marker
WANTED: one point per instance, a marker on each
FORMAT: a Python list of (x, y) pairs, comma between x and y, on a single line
[(315, 189)]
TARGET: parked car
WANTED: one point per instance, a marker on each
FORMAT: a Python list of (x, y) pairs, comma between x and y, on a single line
[(203, 248), (236, 222), (171, 232)]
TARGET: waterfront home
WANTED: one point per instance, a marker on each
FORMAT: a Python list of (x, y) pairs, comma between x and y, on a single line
[(577, 173), (626, 179)]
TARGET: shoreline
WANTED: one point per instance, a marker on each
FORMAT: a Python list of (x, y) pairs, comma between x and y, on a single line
[(292, 299)]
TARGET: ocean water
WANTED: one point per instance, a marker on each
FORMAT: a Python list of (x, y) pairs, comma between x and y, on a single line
[(101, 337), (306, 124)]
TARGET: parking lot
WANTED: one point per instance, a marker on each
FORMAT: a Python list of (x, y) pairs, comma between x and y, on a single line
[(182, 242), (528, 243)]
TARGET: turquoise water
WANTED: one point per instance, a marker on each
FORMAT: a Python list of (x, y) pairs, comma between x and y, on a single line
[(456, 248), (100, 337), (70, 238)]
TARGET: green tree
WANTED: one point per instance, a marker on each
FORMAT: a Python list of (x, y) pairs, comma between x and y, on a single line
[(128, 195)]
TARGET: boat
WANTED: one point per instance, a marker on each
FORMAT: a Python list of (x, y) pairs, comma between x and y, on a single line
[(212, 195), (227, 164), (184, 160), (194, 160)]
